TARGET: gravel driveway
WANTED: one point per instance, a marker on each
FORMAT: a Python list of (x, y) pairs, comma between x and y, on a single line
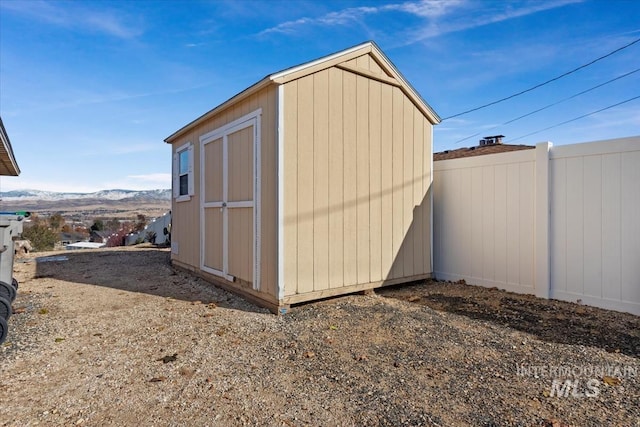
[(116, 337)]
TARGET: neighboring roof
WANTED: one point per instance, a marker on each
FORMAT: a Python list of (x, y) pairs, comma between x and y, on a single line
[(8, 165), (320, 64), (479, 151), (100, 233), (64, 236)]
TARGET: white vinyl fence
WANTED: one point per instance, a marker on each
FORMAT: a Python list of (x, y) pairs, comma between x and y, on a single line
[(558, 222)]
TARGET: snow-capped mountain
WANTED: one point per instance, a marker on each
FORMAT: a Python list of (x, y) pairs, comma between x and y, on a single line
[(33, 195)]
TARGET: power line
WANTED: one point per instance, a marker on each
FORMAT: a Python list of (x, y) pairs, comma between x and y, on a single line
[(576, 118), (544, 83), (550, 105)]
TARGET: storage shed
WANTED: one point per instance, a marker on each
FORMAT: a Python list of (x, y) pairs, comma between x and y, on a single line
[(313, 182)]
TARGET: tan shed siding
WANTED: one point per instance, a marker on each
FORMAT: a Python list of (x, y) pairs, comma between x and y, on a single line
[(186, 215), (185, 238), (290, 156), (375, 68), (213, 242), (386, 181), (368, 63), (336, 179), (240, 154), (213, 174), (375, 173), (321, 180), (240, 157), (363, 62), (427, 190), (241, 243), (362, 179), (349, 201), (397, 269), (305, 184), (269, 187), (406, 252), (418, 195), (356, 175)]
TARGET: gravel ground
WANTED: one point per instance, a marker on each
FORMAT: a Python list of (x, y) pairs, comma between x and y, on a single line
[(117, 337)]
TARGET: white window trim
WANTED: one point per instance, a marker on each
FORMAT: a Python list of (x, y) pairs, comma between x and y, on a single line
[(176, 173)]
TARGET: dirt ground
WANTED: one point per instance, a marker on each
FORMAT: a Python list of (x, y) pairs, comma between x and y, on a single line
[(117, 337)]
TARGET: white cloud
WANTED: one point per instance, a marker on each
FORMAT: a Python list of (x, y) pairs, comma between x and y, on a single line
[(437, 16), (22, 183), (132, 148), (480, 18), (76, 16), (288, 26), (152, 177), (341, 17), (78, 98), (152, 181), (622, 117), (427, 9)]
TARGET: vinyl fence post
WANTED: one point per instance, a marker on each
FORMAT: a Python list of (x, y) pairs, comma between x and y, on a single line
[(541, 221)]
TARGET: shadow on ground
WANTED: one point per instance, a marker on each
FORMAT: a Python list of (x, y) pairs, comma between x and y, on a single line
[(548, 320), (143, 270)]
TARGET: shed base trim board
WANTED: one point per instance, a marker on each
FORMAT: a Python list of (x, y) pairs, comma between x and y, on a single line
[(236, 287), (470, 280), (327, 293), (607, 304)]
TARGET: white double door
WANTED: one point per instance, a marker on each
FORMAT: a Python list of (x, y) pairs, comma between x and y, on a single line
[(229, 208)]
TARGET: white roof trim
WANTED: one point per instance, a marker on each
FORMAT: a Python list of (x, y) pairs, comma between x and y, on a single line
[(288, 71)]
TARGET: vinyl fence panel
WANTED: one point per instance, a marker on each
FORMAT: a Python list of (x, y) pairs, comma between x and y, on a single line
[(560, 222)]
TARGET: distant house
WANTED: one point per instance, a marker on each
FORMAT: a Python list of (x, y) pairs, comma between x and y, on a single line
[(99, 236), (488, 145), (68, 238)]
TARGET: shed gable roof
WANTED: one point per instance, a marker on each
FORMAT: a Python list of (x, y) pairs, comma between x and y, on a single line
[(381, 69)]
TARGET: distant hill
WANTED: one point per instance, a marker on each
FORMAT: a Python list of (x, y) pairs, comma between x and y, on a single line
[(29, 195), (105, 202)]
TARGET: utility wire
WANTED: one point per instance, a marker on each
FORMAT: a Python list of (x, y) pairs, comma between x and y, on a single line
[(544, 83), (549, 105), (576, 118)]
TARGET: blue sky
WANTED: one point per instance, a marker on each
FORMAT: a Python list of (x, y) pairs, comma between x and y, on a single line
[(90, 89)]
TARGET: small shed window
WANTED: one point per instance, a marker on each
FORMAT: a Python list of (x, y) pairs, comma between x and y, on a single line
[(183, 179), (183, 168)]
